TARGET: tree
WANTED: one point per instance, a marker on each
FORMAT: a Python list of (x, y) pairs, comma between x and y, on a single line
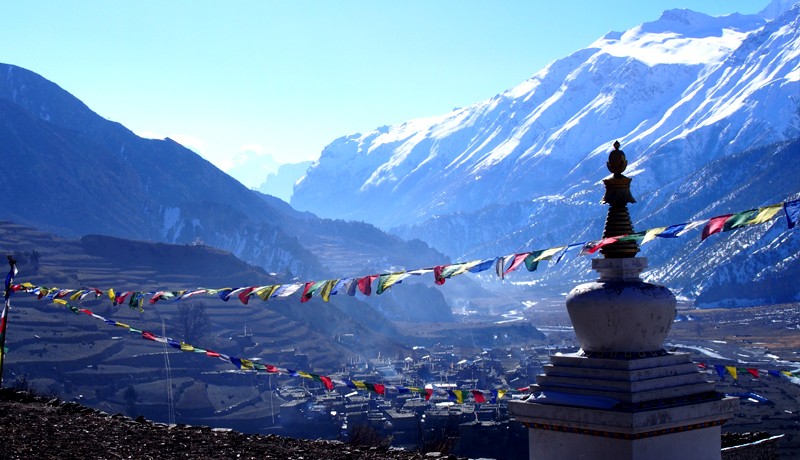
[(192, 323)]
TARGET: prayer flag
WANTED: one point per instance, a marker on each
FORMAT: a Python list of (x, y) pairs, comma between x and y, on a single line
[(500, 265), (428, 393), (651, 234), (740, 219), (765, 214), (637, 237), (437, 274), (482, 266), (388, 280), (327, 289), (186, 347), (753, 372), (265, 292), (327, 382), (365, 284), (714, 225), (720, 370), (570, 246), (379, 388), (732, 371), (773, 373), (792, 210), (225, 294), (308, 291), (148, 335), (351, 288), (479, 396), (518, 260), (342, 284), (244, 296), (287, 290)]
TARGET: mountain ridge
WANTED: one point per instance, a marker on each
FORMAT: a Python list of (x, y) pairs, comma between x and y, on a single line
[(525, 166)]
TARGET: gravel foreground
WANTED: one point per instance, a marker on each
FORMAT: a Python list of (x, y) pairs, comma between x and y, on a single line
[(35, 427)]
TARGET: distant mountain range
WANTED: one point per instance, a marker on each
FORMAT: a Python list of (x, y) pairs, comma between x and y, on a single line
[(72, 172), (706, 109), (281, 183)]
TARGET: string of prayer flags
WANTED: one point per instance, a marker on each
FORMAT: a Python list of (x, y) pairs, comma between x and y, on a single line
[(734, 371), (503, 265), (254, 365)]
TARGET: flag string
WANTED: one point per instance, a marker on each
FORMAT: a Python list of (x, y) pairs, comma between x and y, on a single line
[(503, 265)]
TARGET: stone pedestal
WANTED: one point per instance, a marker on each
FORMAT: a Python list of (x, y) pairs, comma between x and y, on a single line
[(622, 396)]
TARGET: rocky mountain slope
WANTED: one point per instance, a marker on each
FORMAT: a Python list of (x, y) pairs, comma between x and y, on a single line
[(72, 172)]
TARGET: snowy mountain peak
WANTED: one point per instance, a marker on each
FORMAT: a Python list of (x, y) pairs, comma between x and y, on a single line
[(681, 36)]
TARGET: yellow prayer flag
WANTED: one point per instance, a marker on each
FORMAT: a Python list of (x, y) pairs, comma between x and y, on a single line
[(359, 384), (60, 301), (111, 294), (547, 254), (76, 295), (327, 288), (186, 347), (732, 371), (265, 292), (501, 393), (651, 234), (787, 373), (122, 325), (459, 396), (303, 374), (247, 365), (765, 214)]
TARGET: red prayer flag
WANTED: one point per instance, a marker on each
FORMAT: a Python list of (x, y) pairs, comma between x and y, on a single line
[(212, 354), (753, 372), (603, 242), (428, 394), (714, 225), (244, 296), (328, 382), (437, 274), (148, 335), (365, 284), (518, 259), (306, 297), (479, 397), (380, 389)]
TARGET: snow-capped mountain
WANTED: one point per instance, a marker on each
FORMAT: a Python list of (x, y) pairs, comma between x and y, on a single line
[(522, 169)]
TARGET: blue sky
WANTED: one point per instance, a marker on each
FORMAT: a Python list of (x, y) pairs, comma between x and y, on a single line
[(236, 81)]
